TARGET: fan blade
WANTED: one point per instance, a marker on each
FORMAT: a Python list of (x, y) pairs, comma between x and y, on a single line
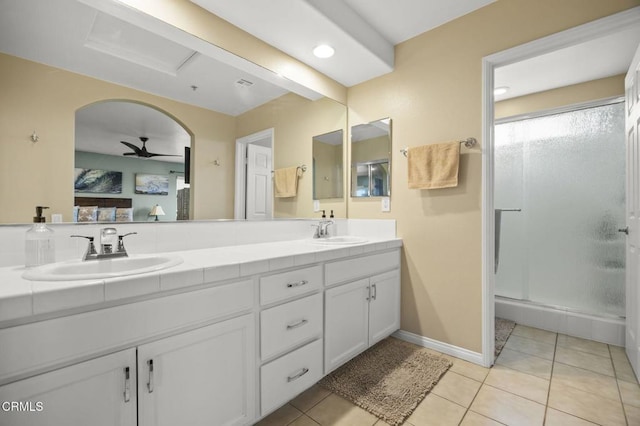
[(129, 153), (132, 146), (163, 155)]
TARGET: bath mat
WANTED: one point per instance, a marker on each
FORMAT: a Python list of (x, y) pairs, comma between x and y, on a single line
[(504, 328), (388, 380)]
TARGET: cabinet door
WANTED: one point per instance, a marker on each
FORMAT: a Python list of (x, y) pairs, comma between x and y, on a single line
[(346, 323), (384, 306), (202, 377), (95, 392)]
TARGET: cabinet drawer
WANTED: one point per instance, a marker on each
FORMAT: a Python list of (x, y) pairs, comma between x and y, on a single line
[(288, 284), (286, 377), (287, 325), (350, 269)]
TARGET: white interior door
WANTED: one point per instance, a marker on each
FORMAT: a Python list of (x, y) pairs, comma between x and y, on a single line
[(259, 187), (632, 127)]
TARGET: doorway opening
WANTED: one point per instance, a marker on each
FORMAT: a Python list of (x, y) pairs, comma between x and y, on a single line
[(618, 23), (254, 166)]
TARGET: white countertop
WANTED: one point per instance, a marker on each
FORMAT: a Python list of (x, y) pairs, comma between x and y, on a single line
[(21, 299)]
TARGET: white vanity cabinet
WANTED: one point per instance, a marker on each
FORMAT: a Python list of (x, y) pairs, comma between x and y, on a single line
[(290, 335), (99, 392), (360, 313), (202, 377), (203, 372)]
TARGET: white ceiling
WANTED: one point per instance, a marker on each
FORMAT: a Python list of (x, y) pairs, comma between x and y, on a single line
[(107, 40)]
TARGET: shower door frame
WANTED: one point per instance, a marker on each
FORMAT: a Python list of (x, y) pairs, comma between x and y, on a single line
[(601, 27)]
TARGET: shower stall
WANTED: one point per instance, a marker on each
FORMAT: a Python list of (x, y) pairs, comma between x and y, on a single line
[(560, 201)]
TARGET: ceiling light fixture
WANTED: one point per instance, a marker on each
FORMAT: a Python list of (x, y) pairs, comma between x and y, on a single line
[(500, 90), (324, 51)]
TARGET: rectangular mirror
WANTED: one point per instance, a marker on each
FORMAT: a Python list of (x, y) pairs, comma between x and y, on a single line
[(371, 159), (327, 165)]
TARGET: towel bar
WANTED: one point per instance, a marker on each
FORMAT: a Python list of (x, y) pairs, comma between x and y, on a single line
[(302, 167), (469, 142)]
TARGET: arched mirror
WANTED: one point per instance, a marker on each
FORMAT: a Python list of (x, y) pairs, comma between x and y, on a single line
[(129, 158)]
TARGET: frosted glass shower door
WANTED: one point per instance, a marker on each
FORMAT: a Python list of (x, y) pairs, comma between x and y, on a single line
[(566, 172)]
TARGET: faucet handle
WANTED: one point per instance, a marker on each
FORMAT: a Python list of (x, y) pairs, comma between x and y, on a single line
[(121, 248), (91, 249)]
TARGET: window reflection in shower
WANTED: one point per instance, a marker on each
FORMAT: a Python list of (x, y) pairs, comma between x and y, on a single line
[(566, 172)]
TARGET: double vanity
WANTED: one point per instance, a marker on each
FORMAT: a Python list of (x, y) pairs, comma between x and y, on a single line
[(221, 335)]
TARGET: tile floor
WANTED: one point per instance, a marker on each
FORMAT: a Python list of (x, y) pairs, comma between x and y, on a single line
[(539, 378)]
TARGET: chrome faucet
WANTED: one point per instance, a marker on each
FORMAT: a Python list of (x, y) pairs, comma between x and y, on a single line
[(108, 239), (322, 228)]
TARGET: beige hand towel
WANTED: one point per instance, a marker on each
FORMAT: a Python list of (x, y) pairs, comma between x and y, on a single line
[(434, 166), (286, 181)]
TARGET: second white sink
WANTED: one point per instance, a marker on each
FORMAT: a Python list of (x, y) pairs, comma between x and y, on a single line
[(103, 268), (339, 240)]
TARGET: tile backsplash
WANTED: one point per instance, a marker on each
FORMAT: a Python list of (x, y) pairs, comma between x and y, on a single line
[(173, 236)]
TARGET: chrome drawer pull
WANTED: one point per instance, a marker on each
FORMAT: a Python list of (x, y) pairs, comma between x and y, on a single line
[(297, 284), (375, 291), (150, 381), (296, 325), (297, 376), (127, 385)]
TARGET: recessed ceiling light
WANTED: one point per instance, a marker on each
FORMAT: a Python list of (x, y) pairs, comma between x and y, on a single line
[(324, 51), (500, 90)]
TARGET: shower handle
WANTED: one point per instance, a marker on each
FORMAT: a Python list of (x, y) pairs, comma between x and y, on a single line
[(624, 230)]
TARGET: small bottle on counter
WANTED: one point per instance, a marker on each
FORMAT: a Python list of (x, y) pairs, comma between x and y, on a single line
[(39, 243)]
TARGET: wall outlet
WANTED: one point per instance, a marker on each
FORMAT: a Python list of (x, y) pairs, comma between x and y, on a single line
[(386, 204), (316, 205)]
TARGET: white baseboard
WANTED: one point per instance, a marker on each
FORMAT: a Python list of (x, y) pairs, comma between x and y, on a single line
[(436, 345)]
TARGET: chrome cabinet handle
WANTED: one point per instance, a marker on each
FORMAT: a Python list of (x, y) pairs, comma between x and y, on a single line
[(298, 284), (368, 292), (624, 230), (296, 325), (150, 381), (375, 292), (127, 385), (297, 376)]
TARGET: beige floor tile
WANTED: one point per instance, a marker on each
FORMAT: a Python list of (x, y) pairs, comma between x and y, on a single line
[(621, 365), (507, 408), (583, 345), (303, 420), (383, 423), (457, 388), (535, 333), (585, 405), (475, 419), (281, 417), (586, 380), (630, 393), (307, 399), (585, 360), (468, 369), (633, 415), (558, 418), (436, 411), (337, 411), (531, 346), (519, 383), (526, 363)]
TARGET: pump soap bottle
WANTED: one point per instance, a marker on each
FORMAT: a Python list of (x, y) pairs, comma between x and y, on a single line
[(39, 244)]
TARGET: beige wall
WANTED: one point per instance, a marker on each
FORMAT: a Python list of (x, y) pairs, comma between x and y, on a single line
[(370, 149), (577, 93), (434, 95), (296, 121), (329, 170), (45, 99)]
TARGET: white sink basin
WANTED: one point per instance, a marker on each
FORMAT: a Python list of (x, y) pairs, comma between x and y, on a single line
[(98, 269), (343, 240)]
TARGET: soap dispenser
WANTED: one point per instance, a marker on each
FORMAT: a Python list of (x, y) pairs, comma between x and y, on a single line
[(39, 244)]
